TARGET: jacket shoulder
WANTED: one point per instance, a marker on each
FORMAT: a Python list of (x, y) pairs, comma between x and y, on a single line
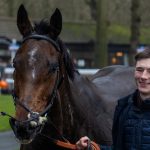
[(122, 104), (119, 115), (125, 100)]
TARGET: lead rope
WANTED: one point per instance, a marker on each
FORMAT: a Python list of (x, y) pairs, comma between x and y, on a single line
[(5, 114), (89, 145)]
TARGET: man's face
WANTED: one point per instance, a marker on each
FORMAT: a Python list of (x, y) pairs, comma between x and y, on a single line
[(142, 76)]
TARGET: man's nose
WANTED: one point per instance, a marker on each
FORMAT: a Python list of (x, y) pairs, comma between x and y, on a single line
[(144, 74)]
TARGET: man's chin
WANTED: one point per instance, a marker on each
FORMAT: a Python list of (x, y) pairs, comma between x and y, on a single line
[(144, 89), (144, 93)]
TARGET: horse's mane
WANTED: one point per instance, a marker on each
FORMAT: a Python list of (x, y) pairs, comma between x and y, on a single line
[(43, 28), (70, 67)]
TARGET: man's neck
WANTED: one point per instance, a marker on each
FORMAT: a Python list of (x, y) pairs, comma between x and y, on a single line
[(144, 97)]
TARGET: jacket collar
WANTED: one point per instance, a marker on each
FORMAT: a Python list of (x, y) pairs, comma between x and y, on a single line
[(138, 102)]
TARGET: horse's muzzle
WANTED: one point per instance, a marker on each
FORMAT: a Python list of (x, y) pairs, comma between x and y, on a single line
[(24, 131)]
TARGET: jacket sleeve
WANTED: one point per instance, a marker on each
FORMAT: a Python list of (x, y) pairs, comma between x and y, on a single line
[(122, 103), (115, 125)]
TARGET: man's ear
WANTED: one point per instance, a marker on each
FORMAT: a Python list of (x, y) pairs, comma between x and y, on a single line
[(23, 21)]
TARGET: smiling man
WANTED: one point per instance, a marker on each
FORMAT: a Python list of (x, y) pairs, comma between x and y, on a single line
[(142, 76), (131, 126)]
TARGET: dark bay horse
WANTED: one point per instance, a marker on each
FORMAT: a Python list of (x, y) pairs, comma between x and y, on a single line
[(53, 101)]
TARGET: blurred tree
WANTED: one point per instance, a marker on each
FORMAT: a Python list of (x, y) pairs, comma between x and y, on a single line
[(135, 29), (101, 52), (92, 4), (99, 13), (10, 4), (45, 5)]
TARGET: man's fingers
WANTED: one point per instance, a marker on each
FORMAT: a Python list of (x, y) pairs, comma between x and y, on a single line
[(82, 143)]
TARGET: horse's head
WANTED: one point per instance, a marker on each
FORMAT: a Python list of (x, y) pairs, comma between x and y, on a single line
[(36, 75)]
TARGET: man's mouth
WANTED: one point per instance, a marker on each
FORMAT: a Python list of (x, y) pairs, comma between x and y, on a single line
[(143, 84)]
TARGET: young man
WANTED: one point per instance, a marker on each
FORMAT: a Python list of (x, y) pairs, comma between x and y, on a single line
[(131, 125)]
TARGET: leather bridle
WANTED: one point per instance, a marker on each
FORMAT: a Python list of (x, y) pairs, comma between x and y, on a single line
[(35, 116), (57, 84), (53, 95), (42, 37)]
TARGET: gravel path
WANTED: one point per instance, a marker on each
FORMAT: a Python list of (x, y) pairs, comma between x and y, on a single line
[(7, 141)]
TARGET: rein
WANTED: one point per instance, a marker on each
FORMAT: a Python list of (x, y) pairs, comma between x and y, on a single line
[(91, 144), (64, 144)]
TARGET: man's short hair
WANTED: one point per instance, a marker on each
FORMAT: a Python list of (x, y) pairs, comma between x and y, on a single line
[(143, 55)]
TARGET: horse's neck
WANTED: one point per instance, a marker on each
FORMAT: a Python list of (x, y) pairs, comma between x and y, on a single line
[(89, 107), (72, 111), (61, 114)]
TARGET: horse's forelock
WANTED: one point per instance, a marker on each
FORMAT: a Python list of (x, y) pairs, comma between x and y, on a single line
[(42, 27)]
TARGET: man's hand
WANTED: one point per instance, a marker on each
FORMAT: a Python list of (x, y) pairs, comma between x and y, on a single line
[(82, 143)]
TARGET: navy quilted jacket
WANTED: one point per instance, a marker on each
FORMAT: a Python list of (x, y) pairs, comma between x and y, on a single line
[(131, 128)]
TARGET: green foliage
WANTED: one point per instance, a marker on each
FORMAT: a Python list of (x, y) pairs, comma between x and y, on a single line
[(116, 33), (145, 35), (78, 31), (119, 34), (6, 105)]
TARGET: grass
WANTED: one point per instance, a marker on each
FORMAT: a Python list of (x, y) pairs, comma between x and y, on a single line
[(6, 105)]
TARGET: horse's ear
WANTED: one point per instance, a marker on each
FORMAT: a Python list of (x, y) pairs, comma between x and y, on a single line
[(23, 21), (55, 23)]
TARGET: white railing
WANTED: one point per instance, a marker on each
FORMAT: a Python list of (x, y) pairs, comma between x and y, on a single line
[(87, 71)]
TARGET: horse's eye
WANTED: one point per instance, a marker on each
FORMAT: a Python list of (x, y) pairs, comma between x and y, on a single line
[(53, 68)]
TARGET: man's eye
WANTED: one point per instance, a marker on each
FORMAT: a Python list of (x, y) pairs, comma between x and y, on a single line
[(148, 70), (139, 69)]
